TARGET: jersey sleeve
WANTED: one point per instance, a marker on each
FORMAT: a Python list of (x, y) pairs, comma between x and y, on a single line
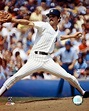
[(58, 53), (39, 25), (75, 57)]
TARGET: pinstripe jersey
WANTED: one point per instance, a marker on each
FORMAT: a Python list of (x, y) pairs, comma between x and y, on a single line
[(45, 37)]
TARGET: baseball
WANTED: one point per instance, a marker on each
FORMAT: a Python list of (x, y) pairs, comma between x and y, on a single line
[(77, 100)]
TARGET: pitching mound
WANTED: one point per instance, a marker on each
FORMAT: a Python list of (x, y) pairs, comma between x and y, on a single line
[(63, 104)]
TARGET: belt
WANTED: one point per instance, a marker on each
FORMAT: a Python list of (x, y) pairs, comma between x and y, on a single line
[(67, 63), (42, 53)]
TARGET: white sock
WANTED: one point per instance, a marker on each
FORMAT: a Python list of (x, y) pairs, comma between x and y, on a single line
[(84, 92), (2, 90)]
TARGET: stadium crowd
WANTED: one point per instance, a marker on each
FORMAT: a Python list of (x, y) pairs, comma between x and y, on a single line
[(18, 39)]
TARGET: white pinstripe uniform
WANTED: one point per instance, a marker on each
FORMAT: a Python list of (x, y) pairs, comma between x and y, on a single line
[(44, 42)]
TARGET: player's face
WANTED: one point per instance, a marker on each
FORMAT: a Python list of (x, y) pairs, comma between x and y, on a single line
[(53, 20)]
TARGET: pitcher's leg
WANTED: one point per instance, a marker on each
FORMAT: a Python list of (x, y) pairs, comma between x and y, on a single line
[(30, 67), (58, 71)]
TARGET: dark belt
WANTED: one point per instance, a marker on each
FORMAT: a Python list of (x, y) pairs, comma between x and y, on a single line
[(68, 63), (42, 53)]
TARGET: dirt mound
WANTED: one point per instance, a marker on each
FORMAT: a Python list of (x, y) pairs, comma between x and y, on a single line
[(64, 104)]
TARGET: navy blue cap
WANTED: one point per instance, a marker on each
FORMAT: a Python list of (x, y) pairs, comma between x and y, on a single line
[(54, 12), (43, 1), (68, 43)]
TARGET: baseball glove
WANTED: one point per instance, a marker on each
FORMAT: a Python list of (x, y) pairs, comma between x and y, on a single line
[(5, 17)]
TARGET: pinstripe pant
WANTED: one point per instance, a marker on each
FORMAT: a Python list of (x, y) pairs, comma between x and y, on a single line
[(38, 62)]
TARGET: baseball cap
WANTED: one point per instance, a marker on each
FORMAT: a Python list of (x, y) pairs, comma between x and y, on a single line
[(68, 43), (43, 1), (55, 12)]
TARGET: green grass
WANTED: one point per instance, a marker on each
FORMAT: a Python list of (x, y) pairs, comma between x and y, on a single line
[(3, 99)]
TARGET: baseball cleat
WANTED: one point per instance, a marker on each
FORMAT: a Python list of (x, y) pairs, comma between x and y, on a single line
[(86, 94)]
